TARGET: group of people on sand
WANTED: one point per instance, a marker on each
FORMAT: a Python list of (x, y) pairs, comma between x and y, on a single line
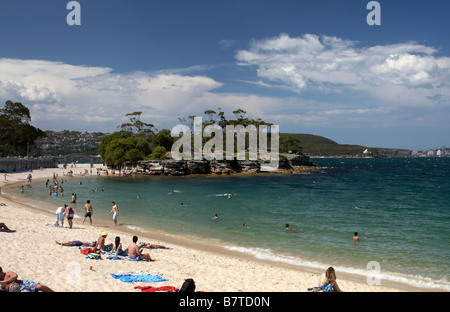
[(67, 211), (133, 251)]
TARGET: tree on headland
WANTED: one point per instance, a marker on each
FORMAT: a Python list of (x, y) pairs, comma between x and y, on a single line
[(159, 152), (131, 143), (136, 126), (163, 138), (289, 144), (119, 147), (16, 133)]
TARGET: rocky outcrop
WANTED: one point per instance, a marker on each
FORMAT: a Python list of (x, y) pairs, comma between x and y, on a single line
[(198, 167), (249, 166), (297, 160), (223, 167)]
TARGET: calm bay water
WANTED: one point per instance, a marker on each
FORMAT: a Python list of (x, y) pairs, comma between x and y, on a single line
[(400, 208)]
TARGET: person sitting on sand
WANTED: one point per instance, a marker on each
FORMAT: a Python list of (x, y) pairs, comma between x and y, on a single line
[(4, 228), (327, 281), (101, 243), (118, 248), (134, 251), (76, 243)]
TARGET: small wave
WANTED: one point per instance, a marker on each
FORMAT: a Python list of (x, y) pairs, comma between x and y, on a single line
[(135, 228), (221, 195), (415, 281)]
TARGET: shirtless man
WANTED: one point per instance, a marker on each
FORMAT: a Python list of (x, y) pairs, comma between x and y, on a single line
[(6, 278), (115, 212), (101, 243), (134, 251), (89, 211)]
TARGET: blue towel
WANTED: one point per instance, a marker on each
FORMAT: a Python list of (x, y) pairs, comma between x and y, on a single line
[(130, 278)]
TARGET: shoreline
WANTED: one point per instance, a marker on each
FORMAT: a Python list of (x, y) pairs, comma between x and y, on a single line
[(213, 267)]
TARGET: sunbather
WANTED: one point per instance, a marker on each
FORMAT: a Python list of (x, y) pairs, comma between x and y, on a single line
[(135, 253), (77, 243), (152, 246), (26, 286), (4, 228)]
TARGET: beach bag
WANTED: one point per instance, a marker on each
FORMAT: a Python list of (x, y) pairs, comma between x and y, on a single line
[(188, 286), (95, 256), (86, 251)]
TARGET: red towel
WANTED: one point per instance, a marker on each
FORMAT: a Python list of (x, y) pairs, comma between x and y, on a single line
[(153, 289)]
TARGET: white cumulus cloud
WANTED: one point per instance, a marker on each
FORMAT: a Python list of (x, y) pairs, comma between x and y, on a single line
[(398, 74)]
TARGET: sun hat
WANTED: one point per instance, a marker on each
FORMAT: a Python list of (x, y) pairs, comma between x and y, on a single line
[(104, 234)]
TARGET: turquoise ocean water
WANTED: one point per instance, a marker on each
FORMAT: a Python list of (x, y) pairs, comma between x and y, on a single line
[(400, 208)]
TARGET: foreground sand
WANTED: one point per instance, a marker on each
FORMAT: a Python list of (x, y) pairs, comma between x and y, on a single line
[(32, 253)]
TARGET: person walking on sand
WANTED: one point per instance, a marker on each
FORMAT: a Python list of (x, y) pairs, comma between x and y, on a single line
[(115, 212), (60, 214), (70, 215), (89, 210)]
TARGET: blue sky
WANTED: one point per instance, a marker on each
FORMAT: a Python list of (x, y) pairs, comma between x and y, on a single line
[(309, 66)]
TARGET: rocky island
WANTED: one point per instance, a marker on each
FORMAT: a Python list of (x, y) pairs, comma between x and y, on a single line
[(287, 164)]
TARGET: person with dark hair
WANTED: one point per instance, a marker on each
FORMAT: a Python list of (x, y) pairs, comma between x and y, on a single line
[(355, 237), (89, 211), (134, 252), (118, 248)]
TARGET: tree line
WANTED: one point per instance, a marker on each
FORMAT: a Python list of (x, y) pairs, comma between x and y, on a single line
[(138, 140), (17, 136), (135, 140)]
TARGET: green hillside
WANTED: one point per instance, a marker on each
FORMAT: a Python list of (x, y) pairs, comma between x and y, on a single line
[(316, 145)]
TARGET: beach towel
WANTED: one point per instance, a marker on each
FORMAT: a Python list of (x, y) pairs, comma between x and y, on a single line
[(125, 258), (131, 278), (153, 289)]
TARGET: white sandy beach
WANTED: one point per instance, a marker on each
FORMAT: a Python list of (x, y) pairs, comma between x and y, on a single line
[(32, 253)]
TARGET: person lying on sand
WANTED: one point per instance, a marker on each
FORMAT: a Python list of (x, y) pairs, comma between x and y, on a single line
[(152, 246), (77, 243), (26, 286), (4, 228)]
